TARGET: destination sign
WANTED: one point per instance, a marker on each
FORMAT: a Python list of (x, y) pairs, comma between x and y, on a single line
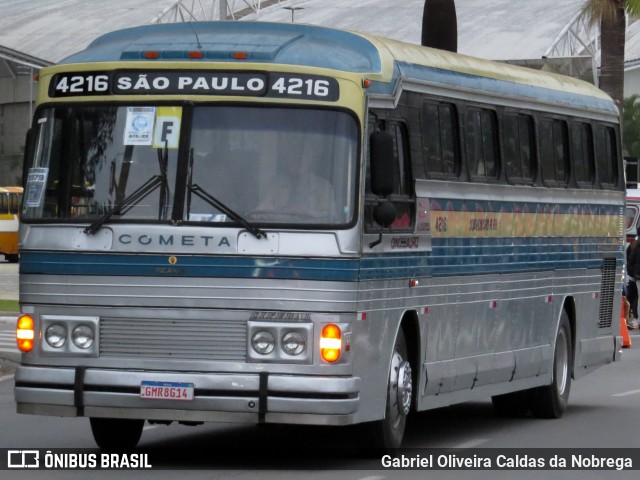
[(174, 82)]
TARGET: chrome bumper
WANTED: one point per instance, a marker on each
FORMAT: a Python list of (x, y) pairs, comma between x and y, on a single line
[(219, 397)]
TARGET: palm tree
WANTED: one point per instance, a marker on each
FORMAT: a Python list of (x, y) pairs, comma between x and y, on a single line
[(611, 16), (440, 25), (631, 126)]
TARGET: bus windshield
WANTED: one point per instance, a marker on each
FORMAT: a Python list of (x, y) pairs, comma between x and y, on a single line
[(127, 164)]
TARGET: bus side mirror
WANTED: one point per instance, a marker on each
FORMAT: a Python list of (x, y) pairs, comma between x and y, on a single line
[(381, 154), (384, 213)]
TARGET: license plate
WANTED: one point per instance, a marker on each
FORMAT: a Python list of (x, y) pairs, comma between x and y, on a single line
[(166, 390)]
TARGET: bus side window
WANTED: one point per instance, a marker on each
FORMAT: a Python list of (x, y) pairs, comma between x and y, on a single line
[(519, 149), (582, 154), (439, 140), (554, 158), (402, 196), (481, 144), (606, 156)]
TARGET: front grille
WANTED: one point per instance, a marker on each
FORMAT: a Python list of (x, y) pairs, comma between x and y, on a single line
[(214, 340), (607, 288)]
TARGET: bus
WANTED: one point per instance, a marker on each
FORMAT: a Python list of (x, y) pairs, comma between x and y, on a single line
[(632, 213), (459, 234), (10, 199)]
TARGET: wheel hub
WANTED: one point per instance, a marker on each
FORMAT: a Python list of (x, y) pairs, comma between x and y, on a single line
[(405, 388)]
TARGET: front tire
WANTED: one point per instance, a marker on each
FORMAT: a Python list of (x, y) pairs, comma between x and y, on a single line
[(116, 434), (551, 400), (388, 433)]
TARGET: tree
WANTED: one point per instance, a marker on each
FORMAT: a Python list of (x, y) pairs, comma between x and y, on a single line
[(611, 16), (440, 25), (631, 126)]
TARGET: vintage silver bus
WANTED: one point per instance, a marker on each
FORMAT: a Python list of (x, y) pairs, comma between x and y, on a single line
[(281, 223)]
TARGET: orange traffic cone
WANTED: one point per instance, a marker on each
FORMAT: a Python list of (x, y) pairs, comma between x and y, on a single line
[(626, 338)]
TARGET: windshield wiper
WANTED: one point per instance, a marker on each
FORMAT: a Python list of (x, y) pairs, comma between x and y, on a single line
[(127, 203), (214, 202)]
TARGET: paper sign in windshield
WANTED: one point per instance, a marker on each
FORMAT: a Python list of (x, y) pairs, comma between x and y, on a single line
[(36, 183), (139, 128)]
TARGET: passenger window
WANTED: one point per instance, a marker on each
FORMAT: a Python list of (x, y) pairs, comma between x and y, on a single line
[(439, 141), (606, 156), (554, 156), (582, 154), (481, 143), (402, 197), (519, 148)]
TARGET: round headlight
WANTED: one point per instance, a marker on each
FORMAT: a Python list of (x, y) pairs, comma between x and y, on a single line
[(82, 336), (263, 342), (55, 335), (293, 343)]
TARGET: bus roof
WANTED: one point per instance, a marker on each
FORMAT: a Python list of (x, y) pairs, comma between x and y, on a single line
[(380, 59)]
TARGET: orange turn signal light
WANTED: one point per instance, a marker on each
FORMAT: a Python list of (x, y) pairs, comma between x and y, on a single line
[(330, 343), (25, 333)]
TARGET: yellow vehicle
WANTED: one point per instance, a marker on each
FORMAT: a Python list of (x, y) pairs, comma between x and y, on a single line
[(10, 200)]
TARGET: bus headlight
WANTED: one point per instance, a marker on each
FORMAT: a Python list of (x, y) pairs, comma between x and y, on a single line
[(293, 343), (56, 335), (82, 337), (263, 342)]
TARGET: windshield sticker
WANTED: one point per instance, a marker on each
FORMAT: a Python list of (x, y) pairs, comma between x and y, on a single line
[(167, 130), (36, 182), (139, 126)]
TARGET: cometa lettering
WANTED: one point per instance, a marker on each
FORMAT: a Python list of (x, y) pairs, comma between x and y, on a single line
[(174, 240)]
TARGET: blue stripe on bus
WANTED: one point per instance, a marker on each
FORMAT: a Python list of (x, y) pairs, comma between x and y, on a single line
[(72, 263), (448, 257), (497, 206), (492, 85)]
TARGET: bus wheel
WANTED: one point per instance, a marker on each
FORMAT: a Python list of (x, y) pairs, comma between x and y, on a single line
[(116, 433), (388, 432), (551, 400)]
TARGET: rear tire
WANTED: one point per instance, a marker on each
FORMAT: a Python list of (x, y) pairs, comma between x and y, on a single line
[(388, 433), (551, 400), (116, 434)]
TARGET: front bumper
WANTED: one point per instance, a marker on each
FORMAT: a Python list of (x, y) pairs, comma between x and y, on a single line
[(218, 397)]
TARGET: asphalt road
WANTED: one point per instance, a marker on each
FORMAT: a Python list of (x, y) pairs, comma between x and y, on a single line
[(604, 413)]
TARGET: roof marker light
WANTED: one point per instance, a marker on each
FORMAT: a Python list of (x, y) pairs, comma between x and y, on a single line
[(151, 54), (195, 54), (240, 55)]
